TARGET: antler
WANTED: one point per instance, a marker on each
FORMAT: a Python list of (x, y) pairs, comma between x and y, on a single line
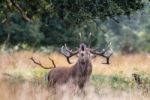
[(89, 39), (80, 37), (69, 53), (103, 54), (38, 63)]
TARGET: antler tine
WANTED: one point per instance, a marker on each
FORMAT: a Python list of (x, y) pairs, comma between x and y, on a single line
[(107, 48), (80, 37), (38, 63), (52, 62), (89, 39), (107, 59), (102, 53), (69, 53), (67, 56)]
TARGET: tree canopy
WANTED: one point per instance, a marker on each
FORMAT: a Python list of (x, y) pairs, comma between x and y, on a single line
[(55, 22)]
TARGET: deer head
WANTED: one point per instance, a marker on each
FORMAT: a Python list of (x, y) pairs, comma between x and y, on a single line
[(84, 53)]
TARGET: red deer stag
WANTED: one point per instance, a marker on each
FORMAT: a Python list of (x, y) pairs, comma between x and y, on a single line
[(80, 72)]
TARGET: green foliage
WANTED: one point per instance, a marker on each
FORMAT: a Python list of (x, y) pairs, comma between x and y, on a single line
[(21, 31), (38, 76), (56, 22), (125, 40), (113, 81)]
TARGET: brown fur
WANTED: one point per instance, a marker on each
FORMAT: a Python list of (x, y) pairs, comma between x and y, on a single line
[(79, 72)]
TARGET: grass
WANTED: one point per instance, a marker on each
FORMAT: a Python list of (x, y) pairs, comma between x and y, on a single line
[(18, 72), (114, 81)]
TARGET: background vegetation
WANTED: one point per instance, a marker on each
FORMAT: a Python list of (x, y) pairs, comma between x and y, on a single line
[(21, 79), (51, 23), (29, 28)]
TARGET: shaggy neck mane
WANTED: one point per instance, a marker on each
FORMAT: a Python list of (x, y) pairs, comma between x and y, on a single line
[(82, 68)]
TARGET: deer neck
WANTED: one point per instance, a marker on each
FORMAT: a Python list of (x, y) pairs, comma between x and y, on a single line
[(82, 68)]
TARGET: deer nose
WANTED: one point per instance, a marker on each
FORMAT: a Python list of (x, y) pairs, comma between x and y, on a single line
[(82, 54)]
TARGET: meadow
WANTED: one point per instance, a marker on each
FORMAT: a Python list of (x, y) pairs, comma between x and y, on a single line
[(21, 79)]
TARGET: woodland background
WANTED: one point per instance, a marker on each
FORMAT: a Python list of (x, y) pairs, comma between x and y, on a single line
[(38, 28), (46, 25)]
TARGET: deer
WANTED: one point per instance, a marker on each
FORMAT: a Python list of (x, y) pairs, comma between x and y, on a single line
[(80, 72)]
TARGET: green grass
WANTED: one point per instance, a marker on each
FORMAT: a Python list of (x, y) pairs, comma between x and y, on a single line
[(115, 81), (35, 76)]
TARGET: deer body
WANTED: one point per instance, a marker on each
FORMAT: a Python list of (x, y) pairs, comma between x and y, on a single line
[(79, 73), (58, 75)]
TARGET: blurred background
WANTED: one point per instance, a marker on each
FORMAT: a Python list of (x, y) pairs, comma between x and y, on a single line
[(46, 25), (38, 28)]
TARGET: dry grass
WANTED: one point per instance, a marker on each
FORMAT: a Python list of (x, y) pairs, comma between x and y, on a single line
[(20, 64), (126, 64)]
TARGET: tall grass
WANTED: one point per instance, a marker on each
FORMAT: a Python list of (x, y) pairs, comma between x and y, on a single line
[(21, 79)]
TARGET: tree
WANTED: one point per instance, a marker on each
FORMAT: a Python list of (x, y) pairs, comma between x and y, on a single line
[(59, 20)]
